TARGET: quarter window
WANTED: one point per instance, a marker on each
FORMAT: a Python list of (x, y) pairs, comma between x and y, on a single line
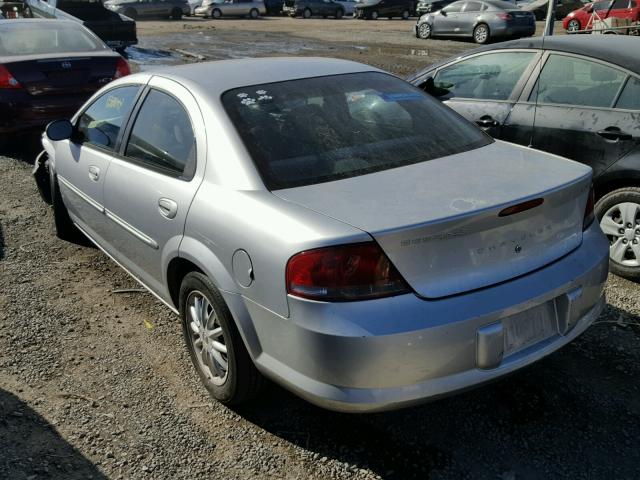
[(573, 81), (473, 7), (453, 8), (630, 96), (162, 136), (100, 123), (488, 77)]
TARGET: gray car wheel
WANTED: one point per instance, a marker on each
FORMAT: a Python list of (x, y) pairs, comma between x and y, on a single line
[(214, 342), (573, 25), (373, 15), (254, 13), (216, 13), (306, 13), (339, 13), (619, 215), (406, 14), (481, 33), (424, 30)]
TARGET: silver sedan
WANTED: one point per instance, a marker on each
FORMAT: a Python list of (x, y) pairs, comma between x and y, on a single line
[(328, 226), (231, 8), (481, 20)]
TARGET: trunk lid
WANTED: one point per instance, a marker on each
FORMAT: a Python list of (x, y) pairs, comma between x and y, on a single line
[(439, 223), (64, 74)]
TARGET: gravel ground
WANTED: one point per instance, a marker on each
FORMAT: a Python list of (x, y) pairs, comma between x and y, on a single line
[(95, 383)]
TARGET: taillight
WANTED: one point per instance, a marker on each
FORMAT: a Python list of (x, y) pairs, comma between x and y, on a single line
[(122, 68), (504, 16), (342, 273), (588, 211), (7, 80)]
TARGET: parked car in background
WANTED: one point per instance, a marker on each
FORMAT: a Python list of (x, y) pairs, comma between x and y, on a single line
[(138, 9), (583, 105), (231, 8), (426, 6), (349, 6), (303, 256), (311, 8), (116, 30), (48, 68), (480, 20), (579, 19), (274, 7), (372, 9)]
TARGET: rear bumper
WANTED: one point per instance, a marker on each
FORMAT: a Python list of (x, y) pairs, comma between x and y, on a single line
[(513, 30), (395, 352), (21, 112)]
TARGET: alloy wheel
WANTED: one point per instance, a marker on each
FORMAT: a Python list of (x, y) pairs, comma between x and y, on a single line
[(621, 225), (424, 30), (573, 26), (481, 34), (207, 338)]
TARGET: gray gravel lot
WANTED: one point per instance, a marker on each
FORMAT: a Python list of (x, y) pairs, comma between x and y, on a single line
[(97, 384)]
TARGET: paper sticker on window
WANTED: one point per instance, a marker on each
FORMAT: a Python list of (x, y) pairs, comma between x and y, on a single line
[(114, 102), (401, 97)]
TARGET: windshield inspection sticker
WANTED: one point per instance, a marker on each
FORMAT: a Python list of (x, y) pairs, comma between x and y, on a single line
[(401, 97)]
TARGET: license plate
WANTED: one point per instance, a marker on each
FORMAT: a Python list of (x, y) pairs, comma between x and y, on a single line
[(527, 328)]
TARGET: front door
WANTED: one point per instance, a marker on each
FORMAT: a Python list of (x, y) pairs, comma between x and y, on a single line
[(151, 183), (448, 19), (580, 114), (83, 161)]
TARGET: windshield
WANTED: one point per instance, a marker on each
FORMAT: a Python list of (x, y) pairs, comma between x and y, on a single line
[(26, 38), (315, 130)]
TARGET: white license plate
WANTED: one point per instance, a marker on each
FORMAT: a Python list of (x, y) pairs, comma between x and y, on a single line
[(527, 328)]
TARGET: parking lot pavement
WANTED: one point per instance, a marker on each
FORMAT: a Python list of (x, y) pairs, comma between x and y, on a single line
[(100, 381)]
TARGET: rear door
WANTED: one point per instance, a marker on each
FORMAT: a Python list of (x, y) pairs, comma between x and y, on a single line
[(448, 19), (467, 18), (576, 114), (151, 182), (484, 87), (81, 163)]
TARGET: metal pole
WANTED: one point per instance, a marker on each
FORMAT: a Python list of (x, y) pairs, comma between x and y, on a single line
[(551, 18)]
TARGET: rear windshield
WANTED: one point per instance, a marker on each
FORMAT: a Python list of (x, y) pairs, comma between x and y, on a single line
[(27, 38), (316, 130)]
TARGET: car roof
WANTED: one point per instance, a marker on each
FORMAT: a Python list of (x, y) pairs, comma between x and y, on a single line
[(620, 50), (217, 77)]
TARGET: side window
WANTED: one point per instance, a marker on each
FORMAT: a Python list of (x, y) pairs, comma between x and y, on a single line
[(162, 136), (100, 123), (573, 81), (488, 77), (453, 8), (473, 7), (618, 4), (630, 96)]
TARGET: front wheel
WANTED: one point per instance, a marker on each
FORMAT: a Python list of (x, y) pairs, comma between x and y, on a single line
[(573, 25), (254, 13), (216, 13), (619, 215), (424, 31), (481, 34), (405, 15), (339, 13), (214, 342), (373, 15), (306, 13)]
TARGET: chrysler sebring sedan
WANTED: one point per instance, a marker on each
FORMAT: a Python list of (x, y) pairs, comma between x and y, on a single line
[(331, 228)]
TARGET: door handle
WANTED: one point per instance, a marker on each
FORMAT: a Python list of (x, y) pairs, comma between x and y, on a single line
[(168, 208), (94, 173), (486, 121), (613, 134)]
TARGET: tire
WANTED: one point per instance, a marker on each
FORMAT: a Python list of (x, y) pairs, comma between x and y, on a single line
[(424, 31), (131, 13), (481, 34), (216, 13), (373, 15), (241, 380), (176, 14), (62, 224), (339, 14), (306, 13), (406, 14), (254, 13), (573, 25), (622, 208)]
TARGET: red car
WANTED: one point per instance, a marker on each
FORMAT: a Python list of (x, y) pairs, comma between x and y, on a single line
[(579, 19)]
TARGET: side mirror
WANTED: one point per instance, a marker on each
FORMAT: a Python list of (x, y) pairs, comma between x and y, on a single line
[(429, 86), (59, 130)]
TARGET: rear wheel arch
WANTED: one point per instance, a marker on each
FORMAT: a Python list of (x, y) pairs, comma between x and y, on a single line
[(623, 180), (177, 269)]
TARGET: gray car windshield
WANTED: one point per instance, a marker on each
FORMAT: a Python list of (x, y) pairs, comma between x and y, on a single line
[(315, 130), (22, 38)]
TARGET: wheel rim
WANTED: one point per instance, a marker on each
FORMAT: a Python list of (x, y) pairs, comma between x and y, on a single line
[(573, 26), (216, 14), (207, 338), (425, 30), (481, 34), (405, 14), (621, 225)]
